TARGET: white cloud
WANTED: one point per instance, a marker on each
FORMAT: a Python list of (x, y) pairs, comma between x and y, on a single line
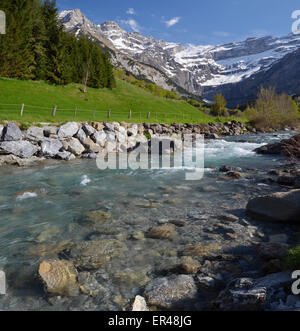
[(131, 11), (172, 21), (132, 23)]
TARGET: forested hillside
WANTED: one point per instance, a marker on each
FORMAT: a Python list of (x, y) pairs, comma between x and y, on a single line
[(36, 47)]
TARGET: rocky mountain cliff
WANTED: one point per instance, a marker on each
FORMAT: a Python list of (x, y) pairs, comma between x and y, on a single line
[(200, 70), (75, 22)]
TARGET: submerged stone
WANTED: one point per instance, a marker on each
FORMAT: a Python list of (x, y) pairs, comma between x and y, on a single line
[(202, 250), (162, 232), (97, 217), (171, 292), (92, 255), (59, 277), (49, 249)]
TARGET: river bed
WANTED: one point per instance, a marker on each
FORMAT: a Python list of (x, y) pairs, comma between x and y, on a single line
[(45, 205)]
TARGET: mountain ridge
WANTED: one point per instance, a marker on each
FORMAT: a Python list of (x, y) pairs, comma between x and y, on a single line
[(200, 70)]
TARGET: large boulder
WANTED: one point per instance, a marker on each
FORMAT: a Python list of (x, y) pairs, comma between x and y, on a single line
[(172, 292), (68, 130), (99, 138), (12, 133), (73, 145), (51, 147), (59, 277), (288, 147), (278, 207), (22, 149), (89, 130), (81, 136), (35, 133), (91, 147)]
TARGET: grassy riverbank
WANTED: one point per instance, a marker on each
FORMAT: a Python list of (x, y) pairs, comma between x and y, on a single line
[(72, 104)]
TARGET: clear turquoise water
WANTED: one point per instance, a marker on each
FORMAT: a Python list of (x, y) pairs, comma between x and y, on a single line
[(60, 193)]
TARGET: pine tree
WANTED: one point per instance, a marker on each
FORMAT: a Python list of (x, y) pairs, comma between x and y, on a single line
[(16, 55), (36, 47), (54, 44)]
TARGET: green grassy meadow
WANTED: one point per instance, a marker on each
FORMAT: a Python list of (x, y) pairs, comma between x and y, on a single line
[(72, 104)]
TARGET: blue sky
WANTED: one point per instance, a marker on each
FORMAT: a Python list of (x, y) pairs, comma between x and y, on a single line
[(193, 21)]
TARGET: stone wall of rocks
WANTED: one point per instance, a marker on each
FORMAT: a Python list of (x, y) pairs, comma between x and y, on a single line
[(74, 139)]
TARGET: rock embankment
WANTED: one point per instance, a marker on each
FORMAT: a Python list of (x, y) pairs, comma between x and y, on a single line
[(85, 140)]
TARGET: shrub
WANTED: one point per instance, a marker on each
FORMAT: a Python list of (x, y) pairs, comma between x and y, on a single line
[(219, 107), (272, 110), (292, 258)]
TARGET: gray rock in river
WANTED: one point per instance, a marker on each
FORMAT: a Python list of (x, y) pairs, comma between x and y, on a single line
[(22, 149), (68, 130), (172, 292), (92, 156), (251, 294), (66, 156), (12, 133), (278, 207), (51, 147)]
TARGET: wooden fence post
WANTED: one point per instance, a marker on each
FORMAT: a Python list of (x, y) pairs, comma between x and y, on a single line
[(109, 113), (149, 114), (130, 114), (54, 111), (22, 110), (75, 112)]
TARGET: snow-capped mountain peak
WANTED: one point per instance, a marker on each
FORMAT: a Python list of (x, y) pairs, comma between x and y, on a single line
[(192, 67)]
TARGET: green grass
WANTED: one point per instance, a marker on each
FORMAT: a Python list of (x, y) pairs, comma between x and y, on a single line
[(292, 258), (40, 98)]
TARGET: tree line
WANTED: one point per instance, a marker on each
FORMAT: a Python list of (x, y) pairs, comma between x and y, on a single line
[(36, 47)]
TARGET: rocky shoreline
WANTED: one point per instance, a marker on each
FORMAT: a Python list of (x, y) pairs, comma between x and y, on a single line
[(75, 140)]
